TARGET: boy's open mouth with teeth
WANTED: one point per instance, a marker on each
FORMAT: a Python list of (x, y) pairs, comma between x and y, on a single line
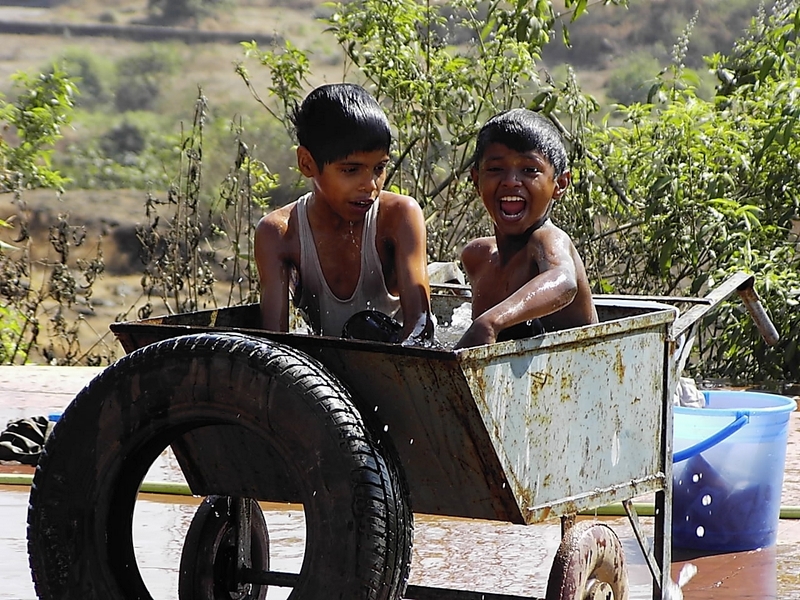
[(512, 206)]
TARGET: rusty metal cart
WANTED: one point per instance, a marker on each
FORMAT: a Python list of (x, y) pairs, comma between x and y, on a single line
[(363, 435)]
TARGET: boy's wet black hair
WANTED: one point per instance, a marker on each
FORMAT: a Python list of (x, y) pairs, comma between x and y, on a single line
[(522, 130), (338, 119)]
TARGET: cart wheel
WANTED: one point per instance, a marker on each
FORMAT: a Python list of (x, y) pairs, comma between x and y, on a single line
[(208, 559), (358, 522), (589, 565)]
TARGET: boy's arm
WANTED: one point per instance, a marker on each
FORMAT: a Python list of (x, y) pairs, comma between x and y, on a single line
[(411, 264), (273, 273), (552, 289)]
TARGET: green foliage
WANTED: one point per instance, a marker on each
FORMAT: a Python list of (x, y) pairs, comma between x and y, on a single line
[(436, 94), (140, 77), (687, 190), (43, 106), (91, 168), (631, 81), (94, 76), (13, 345), (170, 12), (131, 151)]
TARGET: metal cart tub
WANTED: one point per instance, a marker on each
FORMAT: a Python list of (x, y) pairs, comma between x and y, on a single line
[(363, 435)]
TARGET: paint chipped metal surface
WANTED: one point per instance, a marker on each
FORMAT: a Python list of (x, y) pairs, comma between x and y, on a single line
[(518, 431)]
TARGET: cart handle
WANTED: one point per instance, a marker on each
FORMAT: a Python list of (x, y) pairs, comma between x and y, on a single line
[(741, 283), (751, 300), (741, 420)]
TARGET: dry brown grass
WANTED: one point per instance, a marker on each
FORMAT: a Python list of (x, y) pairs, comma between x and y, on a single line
[(206, 66)]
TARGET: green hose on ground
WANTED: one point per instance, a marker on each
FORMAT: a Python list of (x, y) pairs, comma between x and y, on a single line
[(645, 509), (148, 487)]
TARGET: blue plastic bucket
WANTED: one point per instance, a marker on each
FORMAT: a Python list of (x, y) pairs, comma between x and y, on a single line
[(729, 459)]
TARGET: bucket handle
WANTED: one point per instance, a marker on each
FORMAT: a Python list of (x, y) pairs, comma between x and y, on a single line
[(741, 420)]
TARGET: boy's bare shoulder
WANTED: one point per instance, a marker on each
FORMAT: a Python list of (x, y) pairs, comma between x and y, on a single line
[(549, 238), (398, 203), (278, 220), (278, 229), (481, 244), (400, 216), (476, 251)]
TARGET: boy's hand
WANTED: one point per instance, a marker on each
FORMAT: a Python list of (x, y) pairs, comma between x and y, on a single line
[(423, 332), (479, 333)]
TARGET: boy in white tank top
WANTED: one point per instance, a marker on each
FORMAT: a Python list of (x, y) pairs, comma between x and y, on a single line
[(349, 245)]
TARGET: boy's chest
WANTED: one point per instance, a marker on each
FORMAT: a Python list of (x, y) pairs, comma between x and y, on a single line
[(339, 256), (499, 279)]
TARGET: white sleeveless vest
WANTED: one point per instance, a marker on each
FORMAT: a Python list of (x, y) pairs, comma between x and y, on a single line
[(325, 312)]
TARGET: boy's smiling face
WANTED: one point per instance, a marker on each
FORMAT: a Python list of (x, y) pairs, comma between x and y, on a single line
[(349, 186), (517, 188)]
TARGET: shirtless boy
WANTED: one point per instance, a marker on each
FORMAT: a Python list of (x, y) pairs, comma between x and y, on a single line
[(347, 245), (528, 274)]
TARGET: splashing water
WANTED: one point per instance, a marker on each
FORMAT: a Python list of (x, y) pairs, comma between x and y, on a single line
[(449, 333), (674, 590), (423, 333), (353, 234)]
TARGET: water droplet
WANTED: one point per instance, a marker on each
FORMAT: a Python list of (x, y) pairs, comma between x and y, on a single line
[(700, 531), (706, 500), (411, 441)]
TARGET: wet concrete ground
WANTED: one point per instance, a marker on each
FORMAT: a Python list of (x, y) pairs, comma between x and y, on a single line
[(448, 553)]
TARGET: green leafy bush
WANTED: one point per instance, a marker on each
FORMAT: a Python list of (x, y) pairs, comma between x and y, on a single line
[(685, 191), (43, 106), (631, 81), (172, 12), (94, 76), (13, 344), (667, 201), (140, 77)]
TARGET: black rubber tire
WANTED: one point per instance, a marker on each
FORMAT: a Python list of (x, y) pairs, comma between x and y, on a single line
[(208, 558), (358, 521)]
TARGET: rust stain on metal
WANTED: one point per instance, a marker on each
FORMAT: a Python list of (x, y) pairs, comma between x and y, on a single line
[(538, 381), (619, 366), (566, 386)]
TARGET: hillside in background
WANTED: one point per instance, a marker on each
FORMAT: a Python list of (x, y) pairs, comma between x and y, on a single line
[(136, 93), (127, 143), (603, 40), (608, 34), (137, 96)]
